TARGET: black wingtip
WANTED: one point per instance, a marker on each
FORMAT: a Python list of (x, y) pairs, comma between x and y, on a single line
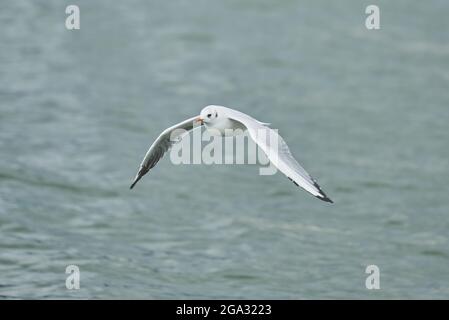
[(135, 181), (142, 171), (325, 198), (322, 196)]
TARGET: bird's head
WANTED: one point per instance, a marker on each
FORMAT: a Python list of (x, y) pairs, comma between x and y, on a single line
[(209, 115)]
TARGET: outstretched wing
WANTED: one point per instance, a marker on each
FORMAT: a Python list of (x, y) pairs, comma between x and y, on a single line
[(278, 153), (161, 145)]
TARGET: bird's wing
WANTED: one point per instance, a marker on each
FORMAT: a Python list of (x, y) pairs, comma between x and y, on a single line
[(162, 144), (278, 153)]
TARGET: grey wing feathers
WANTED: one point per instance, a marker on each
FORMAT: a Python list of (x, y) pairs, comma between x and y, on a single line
[(287, 157), (162, 145), (285, 161)]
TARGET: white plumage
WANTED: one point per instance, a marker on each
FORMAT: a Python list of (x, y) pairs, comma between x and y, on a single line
[(219, 119)]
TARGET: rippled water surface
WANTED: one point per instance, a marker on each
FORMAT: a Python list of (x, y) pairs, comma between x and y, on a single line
[(366, 113)]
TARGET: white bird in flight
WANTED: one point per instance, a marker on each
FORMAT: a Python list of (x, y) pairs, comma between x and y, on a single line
[(221, 118)]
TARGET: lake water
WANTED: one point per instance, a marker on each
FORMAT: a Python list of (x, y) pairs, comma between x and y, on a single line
[(365, 111)]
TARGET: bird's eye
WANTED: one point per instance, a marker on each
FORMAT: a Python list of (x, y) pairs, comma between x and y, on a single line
[(216, 114), (209, 115)]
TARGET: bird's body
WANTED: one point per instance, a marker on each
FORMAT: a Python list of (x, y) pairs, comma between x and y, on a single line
[(220, 120), (225, 127)]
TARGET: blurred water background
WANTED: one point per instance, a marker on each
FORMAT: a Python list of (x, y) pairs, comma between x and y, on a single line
[(366, 113)]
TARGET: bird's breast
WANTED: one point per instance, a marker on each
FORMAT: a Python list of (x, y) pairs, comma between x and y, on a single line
[(225, 127)]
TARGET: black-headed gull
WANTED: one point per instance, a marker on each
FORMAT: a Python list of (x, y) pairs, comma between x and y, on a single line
[(219, 118)]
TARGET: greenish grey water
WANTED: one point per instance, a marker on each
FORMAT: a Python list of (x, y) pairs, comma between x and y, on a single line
[(366, 112)]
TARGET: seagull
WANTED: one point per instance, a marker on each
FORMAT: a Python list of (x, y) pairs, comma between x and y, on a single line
[(219, 119)]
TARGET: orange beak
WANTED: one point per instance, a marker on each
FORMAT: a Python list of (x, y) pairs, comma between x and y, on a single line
[(199, 119)]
